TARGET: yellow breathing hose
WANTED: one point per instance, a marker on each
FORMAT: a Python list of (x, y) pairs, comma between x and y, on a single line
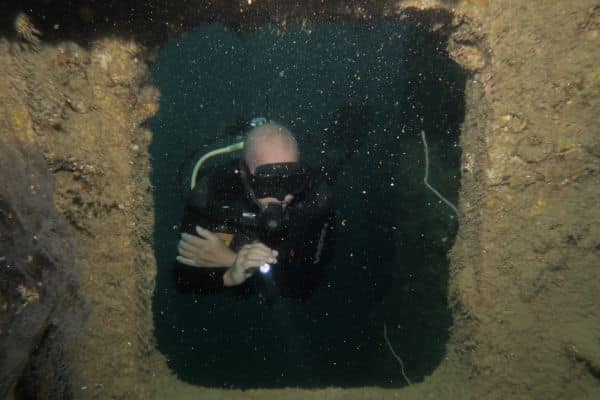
[(222, 150)]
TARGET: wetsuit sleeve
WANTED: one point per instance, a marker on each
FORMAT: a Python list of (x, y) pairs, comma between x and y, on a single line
[(328, 249), (313, 248), (195, 279), (303, 276)]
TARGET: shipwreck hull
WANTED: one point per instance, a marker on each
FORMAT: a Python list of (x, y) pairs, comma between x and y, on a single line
[(524, 280)]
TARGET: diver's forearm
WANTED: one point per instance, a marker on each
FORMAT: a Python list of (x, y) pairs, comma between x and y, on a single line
[(229, 258)]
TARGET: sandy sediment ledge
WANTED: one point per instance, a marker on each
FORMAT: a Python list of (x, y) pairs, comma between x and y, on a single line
[(524, 282)]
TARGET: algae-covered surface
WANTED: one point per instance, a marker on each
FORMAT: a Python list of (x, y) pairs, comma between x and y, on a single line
[(523, 285), (82, 108), (535, 287)]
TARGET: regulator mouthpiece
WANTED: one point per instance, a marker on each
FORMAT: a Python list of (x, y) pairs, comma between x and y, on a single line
[(273, 219)]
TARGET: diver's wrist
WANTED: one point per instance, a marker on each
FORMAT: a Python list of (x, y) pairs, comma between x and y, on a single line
[(232, 277), (229, 259), (227, 280)]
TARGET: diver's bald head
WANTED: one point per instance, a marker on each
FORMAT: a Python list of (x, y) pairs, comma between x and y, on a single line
[(269, 144)]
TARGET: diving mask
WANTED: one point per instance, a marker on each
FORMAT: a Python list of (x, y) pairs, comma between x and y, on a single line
[(278, 180)]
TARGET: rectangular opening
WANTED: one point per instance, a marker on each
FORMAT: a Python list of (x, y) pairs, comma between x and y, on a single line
[(355, 95)]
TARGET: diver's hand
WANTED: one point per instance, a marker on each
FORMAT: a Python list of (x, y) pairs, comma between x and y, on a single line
[(249, 258), (204, 250)]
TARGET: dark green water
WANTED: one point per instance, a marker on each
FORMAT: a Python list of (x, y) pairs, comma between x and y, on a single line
[(393, 234)]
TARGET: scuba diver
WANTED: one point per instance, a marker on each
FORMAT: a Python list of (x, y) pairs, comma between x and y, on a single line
[(265, 222)]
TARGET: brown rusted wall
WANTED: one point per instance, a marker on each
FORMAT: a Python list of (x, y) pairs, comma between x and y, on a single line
[(82, 108), (524, 282), (531, 284)]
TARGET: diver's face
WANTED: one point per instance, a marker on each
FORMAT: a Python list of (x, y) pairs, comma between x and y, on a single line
[(274, 150)]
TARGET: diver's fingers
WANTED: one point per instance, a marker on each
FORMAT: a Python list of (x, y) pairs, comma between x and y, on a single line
[(253, 262), (252, 255), (192, 239), (262, 246), (206, 234), (187, 254), (187, 246), (261, 253), (186, 261), (253, 249)]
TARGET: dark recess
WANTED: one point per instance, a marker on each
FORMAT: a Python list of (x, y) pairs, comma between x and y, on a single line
[(153, 22), (416, 292), (42, 306)]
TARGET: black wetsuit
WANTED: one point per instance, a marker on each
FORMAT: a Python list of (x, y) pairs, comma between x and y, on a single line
[(221, 204)]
